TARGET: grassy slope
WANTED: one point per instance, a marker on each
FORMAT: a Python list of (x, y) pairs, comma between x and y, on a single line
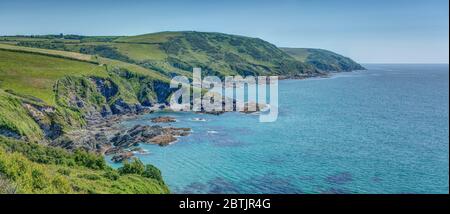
[(30, 78), (14, 117), (33, 74), (85, 58), (31, 168), (218, 53), (30, 74), (172, 53), (323, 59), (62, 54)]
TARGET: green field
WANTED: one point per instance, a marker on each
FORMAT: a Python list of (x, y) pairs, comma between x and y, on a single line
[(51, 84), (34, 74)]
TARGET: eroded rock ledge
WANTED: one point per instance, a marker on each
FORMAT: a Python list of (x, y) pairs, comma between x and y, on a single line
[(108, 137), (148, 134), (163, 119)]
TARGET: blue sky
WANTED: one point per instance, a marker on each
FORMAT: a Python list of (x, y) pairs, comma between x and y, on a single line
[(369, 31)]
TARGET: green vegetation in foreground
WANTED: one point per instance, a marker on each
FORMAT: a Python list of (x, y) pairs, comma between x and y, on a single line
[(323, 59), (32, 168)]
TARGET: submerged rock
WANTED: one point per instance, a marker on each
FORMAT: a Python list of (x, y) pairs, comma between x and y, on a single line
[(163, 119), (121, 157)]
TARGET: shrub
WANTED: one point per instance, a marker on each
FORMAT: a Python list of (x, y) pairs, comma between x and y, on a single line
[(152, 172), (133, 167), (64, 172), (89, 160), (32, 168), (111, 175), (6, 187), (92, 177), (39, 180)]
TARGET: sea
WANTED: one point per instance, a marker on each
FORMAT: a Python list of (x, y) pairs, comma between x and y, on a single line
[(381, 130)]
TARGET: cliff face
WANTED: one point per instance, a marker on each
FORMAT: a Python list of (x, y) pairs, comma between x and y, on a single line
[(323, 60), (81, 101)]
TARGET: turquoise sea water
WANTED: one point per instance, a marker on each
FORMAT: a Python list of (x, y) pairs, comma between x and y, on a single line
[(384, 130)]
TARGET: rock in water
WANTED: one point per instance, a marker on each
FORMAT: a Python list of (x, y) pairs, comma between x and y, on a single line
[(122, 156), (163, 120), (163, 140)]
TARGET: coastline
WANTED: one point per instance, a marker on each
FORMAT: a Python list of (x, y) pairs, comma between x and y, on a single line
[(122, 143)]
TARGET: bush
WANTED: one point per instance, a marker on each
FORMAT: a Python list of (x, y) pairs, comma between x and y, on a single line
[(64, 172), (137, 167), (111, 175), (89, 160), (92, 177), (25, 170), (133, 167), (152, 172), (39, 181)]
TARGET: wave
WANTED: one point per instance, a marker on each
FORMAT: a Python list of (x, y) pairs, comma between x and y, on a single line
[(199, 119)]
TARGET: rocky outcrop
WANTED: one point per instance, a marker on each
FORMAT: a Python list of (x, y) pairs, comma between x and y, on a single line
[(106, 87), (163, 120), (122, 156), (83, 139), (9, 133), (45, 118), (148, 134), (87, 109), (163, 140), (121, 107)]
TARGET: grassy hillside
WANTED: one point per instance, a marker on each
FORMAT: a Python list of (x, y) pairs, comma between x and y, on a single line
[(33, 74), (174, 53), (323, 59), (32, 168), (50, 91), (216, 53)]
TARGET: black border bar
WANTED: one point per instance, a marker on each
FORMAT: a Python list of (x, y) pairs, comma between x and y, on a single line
[(129, 203)]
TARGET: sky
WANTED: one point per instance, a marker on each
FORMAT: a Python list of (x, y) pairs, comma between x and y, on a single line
[(368, 31)]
